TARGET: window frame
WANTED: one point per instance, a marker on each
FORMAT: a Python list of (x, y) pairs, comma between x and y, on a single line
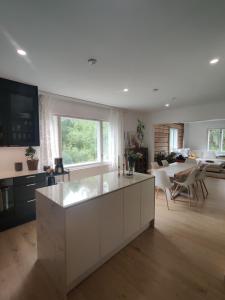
[(222, 131), (100, 154)]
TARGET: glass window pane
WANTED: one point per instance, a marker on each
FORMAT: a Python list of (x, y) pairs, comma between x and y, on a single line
[(223, 141), (214, 140), (80, 140), (105, 137), (173, 139)]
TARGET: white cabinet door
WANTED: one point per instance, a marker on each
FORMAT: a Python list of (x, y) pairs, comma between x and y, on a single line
[(82, 238), (132, 210), (111, 220), (147, 201)]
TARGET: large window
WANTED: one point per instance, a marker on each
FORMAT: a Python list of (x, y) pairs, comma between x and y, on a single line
[(216, 140), (84, 141), (173, 139)]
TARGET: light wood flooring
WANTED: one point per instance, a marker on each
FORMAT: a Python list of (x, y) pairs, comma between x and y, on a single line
[(182, 258)]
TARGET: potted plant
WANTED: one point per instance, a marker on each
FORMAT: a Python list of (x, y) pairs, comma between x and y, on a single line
[(159, 157), (132, 157), (32, 162)]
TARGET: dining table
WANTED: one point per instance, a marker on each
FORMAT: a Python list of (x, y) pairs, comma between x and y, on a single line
[(175, 168)]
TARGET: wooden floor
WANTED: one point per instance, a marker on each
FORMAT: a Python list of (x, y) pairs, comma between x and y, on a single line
[(183, 258)]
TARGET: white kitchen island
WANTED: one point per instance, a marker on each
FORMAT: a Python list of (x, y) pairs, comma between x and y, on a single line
[(83, 223)]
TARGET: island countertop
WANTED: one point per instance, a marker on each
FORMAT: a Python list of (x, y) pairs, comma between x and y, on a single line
[(78, 191)]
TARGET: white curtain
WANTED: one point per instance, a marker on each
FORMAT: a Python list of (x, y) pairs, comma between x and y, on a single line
[(49, 140), (116, 136)]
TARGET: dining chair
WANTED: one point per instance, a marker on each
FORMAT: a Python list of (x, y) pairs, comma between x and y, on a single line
[(165, 163), (162, 182), (191, 161), (155, 165), (200, 177), (189, 184)]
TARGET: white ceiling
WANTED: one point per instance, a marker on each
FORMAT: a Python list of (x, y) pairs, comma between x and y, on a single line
[(139, 45)]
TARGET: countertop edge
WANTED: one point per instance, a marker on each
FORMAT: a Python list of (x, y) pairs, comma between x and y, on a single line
[(92, 198)]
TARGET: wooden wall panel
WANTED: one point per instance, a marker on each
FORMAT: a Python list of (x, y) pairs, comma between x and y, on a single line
[(162, 136)]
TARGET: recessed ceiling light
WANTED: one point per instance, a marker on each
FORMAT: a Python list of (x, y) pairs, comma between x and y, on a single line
[(125, 90), (167, 105), (21, 52), (155, 90), (214, 61), (92, 61)]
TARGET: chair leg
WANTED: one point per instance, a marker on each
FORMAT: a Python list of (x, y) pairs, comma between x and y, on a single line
[(167, 203), (189, 195), (176, 190), (203, 194), (205, 188), (195, 192), (197, 184)]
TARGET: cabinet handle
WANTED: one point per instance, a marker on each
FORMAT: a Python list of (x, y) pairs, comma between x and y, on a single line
[(31, 176), (31, 184), (29, 201)]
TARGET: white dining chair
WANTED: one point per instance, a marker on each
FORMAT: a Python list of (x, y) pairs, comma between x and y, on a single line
[(200, 177), (191, 161), (188, 184), (155, 165), (162, 182), (165, 163)]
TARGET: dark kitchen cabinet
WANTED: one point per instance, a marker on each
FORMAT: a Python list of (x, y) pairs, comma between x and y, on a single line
[(7, 213), (19, 117), (24, 196), (17, 199)]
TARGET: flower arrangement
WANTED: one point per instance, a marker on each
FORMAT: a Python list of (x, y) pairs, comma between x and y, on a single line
[(132, 157)]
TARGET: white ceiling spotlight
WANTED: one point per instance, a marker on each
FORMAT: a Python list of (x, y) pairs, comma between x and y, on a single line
[(214, 61), (125, 90), (21, 52), (167, 105)]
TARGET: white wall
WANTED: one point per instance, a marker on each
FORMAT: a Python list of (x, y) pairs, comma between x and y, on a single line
[(131, 121), (213, 111), (204, 112), (69, 107), (196, 133), (8, 156)]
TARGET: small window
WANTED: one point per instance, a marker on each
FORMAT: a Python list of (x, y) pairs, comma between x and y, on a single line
[(214, 140), (223, 140), (173, 139)]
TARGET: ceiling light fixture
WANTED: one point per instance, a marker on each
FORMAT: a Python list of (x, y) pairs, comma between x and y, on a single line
[(155, 90), (167, 105), (125, 90), (214, 61), (92, 61), (21, 52)]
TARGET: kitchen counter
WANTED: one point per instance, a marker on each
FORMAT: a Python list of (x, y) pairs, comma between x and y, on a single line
[(13, 174), (76, 192), (83, 223)]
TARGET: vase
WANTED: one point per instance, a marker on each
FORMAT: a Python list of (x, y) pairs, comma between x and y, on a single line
[(131, 167)]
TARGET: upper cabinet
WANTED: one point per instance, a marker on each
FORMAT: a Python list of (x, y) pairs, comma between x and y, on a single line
[(19, 118)]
